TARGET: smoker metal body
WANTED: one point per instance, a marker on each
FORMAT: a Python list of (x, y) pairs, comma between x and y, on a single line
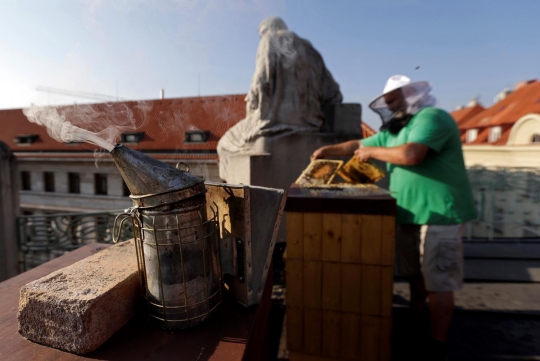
[(192, 236), (176, 242), (177, 255)]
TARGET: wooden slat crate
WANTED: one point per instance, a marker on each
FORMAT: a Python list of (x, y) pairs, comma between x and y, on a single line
[(339, 275)]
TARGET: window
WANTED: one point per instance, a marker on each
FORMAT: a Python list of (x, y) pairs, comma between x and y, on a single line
[(197, 136), (131, 137), (125, 190), (26, 181), (471, 135), (498, 224), (100, 183), (494, 134), (48, 181), (74, 183), (535, 138), (26, 139)]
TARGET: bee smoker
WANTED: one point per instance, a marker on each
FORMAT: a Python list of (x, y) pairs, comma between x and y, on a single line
[(176, 239)]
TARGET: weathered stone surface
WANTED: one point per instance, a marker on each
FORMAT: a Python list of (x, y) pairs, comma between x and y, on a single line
[(290, 87), (79, 307)]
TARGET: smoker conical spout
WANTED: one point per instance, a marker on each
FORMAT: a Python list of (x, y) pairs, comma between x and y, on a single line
[(145, 176)]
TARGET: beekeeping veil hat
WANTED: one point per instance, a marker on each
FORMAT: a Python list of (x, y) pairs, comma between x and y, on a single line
[(416, 96)]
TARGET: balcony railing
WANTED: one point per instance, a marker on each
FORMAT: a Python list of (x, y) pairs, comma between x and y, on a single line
[(507, 202), (44, 237)]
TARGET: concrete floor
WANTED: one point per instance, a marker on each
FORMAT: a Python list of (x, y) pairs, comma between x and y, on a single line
[(492, 321), (497, 314)]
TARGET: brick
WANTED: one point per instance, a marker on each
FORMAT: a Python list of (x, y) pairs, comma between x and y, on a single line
[(79, 307)]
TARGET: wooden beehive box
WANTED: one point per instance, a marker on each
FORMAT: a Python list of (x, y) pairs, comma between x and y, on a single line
[(339, 273)]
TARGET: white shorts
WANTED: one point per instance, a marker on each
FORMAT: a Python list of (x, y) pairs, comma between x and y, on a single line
[(434, 252)]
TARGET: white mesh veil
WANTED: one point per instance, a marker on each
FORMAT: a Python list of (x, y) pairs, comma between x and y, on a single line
[(416, 95)]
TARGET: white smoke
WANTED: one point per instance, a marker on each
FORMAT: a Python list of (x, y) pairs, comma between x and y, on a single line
[(99, 124), (220, 108)]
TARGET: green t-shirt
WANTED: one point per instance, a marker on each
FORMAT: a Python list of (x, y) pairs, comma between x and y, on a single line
[(437, 190)]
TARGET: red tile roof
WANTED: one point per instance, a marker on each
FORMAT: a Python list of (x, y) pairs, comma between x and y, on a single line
[(522, 101), (525, 99), (367, 131), (164, 128), (105, 155), (464, 114)]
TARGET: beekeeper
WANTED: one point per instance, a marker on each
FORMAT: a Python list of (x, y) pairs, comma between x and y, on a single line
[(422, 147)]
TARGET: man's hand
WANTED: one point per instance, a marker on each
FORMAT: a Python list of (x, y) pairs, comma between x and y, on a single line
[(363, 154), (338, 150), (406, 154), (318, 154)]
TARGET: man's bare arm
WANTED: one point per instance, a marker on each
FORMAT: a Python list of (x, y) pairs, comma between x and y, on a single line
[(406, 154), (340, 149)]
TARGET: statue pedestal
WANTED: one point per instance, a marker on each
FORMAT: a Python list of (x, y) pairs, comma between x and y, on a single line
[(279, 161)]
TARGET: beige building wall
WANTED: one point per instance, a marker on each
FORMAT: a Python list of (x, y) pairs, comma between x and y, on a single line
[(492, 156), (524, 129), (37, 201)]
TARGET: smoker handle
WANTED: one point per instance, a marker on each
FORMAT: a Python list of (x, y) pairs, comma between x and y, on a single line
[(184, 164), (125, 218)]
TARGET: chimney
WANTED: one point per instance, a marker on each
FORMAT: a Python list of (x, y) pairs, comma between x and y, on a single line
[(162, 94), (472, 102), (502, 95), (523, 83)]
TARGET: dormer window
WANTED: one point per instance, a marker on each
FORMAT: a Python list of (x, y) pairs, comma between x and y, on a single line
[(26, 139), (494, 134), (535, 138), (197, 136), (133, 138), (472, 134)]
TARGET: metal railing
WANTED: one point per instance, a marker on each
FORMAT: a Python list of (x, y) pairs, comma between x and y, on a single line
[(45, 237), (507, 202)]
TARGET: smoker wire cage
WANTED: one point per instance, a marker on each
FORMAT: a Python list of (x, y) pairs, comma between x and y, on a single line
[(178, 260)]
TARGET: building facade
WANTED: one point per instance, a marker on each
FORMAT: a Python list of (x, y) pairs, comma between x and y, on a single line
[(501, 145), (63, 178)]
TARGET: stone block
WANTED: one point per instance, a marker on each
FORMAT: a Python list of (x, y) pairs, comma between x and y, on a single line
[(79, 307), (345, 118)]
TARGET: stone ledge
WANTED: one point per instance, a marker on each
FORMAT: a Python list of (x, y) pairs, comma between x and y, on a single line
[(79, 307)]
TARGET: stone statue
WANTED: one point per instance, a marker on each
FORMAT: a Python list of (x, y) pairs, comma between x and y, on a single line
[(289, 90)]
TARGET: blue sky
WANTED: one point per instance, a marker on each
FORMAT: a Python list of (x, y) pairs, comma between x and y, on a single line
[(136, 47)]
